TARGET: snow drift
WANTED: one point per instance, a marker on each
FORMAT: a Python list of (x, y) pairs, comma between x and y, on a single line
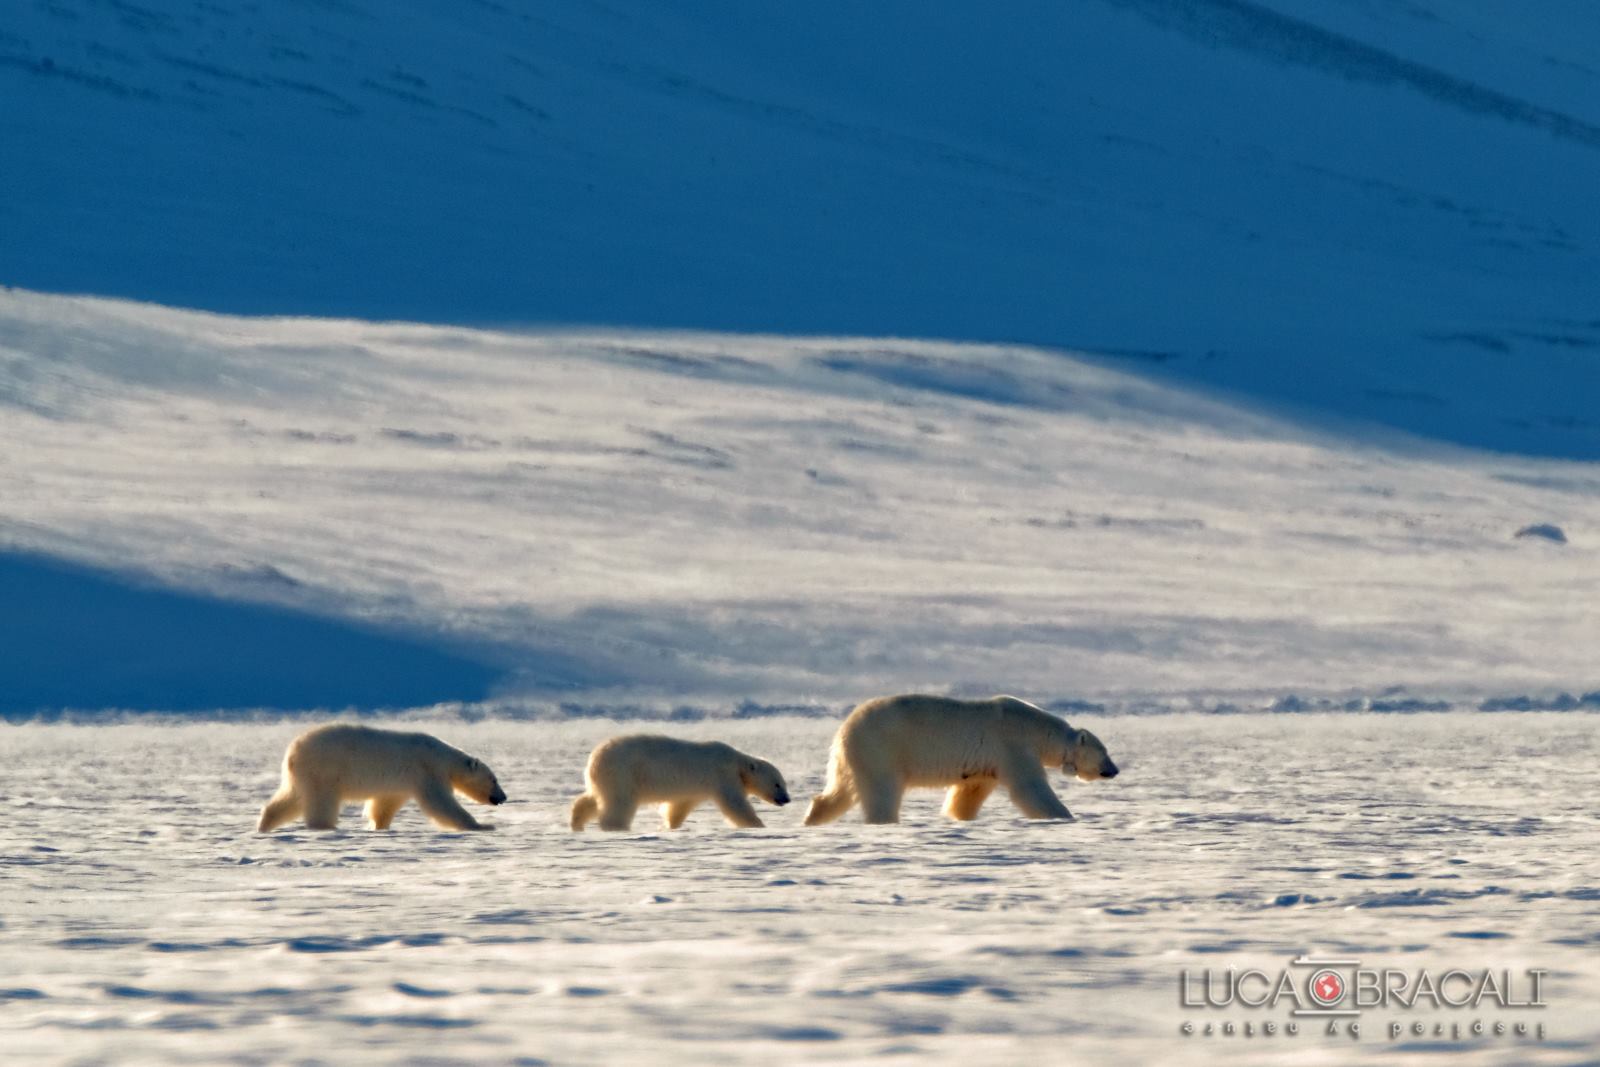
[(1380, 210), (601, 515)]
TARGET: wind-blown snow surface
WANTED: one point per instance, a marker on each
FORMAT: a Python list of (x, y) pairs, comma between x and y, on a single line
[(145, 922), (1379, 209), (682, 517)]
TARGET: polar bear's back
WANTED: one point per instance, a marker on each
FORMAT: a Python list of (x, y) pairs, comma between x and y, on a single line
[(932, 740), (363, 760), (660, 767)]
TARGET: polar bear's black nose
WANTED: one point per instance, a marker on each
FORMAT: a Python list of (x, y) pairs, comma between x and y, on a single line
[(498, 796), (1109, 771), (780, 798)]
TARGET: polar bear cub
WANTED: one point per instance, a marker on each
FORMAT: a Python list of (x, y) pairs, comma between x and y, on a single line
[(625, 772), (329, 766), (968, 746)]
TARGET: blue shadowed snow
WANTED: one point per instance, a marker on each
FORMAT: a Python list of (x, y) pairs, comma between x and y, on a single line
[(77, 638), (1379, 211)]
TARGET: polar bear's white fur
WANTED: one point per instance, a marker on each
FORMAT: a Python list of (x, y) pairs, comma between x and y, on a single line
[(968, 746), (625, 772), (332, 765)]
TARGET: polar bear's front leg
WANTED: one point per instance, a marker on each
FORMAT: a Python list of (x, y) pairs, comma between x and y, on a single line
[(382, 810), (736, 807), (674, 813), (1031, 793), (440, 805), (964, 800)]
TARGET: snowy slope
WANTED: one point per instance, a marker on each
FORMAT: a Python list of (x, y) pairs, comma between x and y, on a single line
[(712, 518), (1370, 209)]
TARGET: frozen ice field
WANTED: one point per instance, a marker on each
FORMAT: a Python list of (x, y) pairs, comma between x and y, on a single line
[(145, 922)]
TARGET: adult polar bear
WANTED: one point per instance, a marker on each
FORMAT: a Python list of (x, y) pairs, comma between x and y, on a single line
[(970, 746), (625, 772), (329, 766)]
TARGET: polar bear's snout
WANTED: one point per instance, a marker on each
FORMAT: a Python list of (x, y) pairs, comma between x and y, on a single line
[(781, 797), (1089, 760), (498, 795)]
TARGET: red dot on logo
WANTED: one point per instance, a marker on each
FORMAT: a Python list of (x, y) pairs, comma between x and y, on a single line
[(1327, 988)]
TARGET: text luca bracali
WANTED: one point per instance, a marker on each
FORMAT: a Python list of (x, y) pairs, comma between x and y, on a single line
[(1333, 997)]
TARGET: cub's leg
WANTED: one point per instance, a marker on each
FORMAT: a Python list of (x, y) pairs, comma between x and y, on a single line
[(736, 807), (440, 805), (1031, 793), (321, 808), (284, 807), (964, 800), (674, 813), (382, 810)]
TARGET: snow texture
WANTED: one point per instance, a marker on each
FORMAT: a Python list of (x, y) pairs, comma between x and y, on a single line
[(1379, 210), (146, 923), (591, 517), (1125, 355)]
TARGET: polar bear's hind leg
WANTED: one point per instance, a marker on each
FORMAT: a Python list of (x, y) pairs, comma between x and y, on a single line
[(382, 810), (675, 813), (321, 808), (584, 809), (838, 797), (964, 800), (880, 799), (828, 806), (284, 807), (617, 811)]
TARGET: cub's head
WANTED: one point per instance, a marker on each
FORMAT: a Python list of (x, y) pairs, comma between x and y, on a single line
[(473, 778), (761, 779), (1087, 758)]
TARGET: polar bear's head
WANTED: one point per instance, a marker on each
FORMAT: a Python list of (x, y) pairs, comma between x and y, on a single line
[(762, 779), (1088, 759), (473, 777)]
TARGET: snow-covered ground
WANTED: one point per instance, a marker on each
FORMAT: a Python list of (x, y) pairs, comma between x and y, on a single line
[(1380, 209), (145, 922), (707, 519), (1126, 355)]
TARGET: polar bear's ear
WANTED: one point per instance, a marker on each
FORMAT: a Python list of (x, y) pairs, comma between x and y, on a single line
[(747, 771)]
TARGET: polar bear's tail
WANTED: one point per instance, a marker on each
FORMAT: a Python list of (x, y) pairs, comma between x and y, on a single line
[(839, 796), (584, 808)]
